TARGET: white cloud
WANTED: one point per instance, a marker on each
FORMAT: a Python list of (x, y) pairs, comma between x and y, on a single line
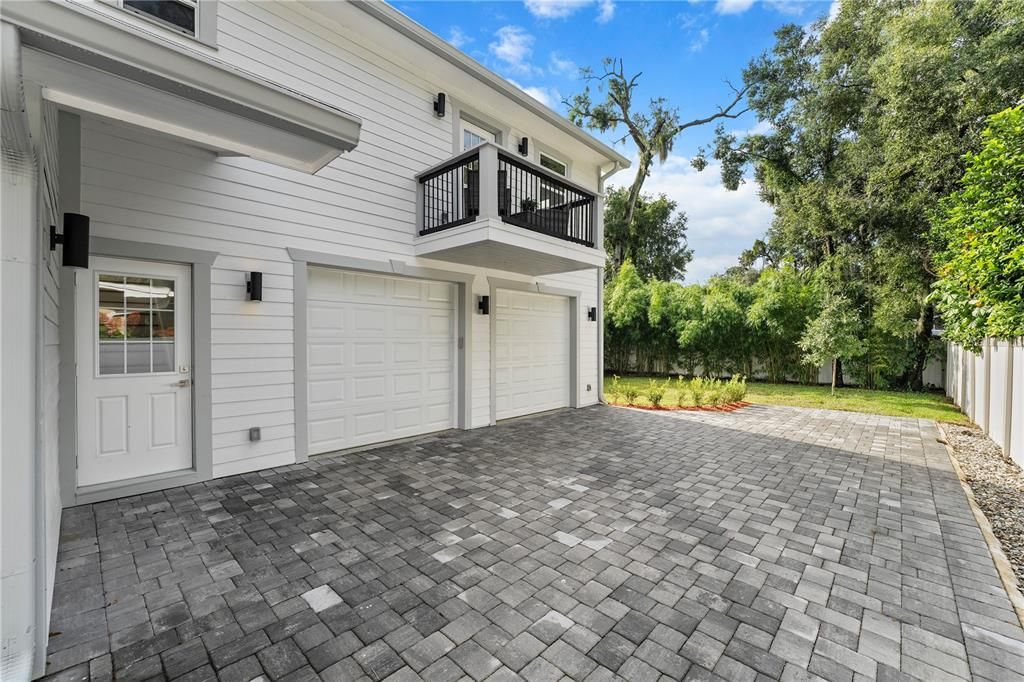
[(514, 47), (833, 11), (562, 67), (549, 97), (560, 9), (701, 41), (760, 128), (458, 38), (721, 224), (605, 11), (793, 7), (733, 6)]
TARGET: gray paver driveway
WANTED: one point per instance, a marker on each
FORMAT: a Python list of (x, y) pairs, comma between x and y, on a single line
[(767, 543)]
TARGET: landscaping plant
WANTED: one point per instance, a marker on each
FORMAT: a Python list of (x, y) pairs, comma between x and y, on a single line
[(698, 390), (681, 392), (736, 389), (632, 394), (615, 392), (656, 392), (714, 389)]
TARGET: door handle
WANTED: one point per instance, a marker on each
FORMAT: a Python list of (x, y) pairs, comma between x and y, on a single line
[(184, 383)]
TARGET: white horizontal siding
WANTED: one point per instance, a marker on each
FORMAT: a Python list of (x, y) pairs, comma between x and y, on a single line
[(144, 187)]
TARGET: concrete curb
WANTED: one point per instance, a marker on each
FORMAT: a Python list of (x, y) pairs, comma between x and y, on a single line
[(1003, 566)]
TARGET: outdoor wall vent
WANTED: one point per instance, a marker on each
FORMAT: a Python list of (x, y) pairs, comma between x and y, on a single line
[(524, 146), (255, 434), (592, 314), (439, 105), (483, 304), (254, 286), (75, 240)]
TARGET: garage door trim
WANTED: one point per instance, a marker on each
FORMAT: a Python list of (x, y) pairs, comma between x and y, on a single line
[(303, 259), (574, 323)]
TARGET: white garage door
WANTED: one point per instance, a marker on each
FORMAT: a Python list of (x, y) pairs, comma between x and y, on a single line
[(381, 358), (531, 353)]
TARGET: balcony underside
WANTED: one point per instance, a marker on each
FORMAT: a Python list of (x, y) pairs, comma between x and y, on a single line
[(491, 243)]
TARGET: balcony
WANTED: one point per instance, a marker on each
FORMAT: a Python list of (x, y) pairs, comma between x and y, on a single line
[(488, 208)]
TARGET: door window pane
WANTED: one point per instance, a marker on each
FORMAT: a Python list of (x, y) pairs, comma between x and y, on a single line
[(163, 356), (135, 325)]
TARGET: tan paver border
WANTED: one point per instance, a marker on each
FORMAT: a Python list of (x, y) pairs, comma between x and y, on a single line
[(1003, 566)]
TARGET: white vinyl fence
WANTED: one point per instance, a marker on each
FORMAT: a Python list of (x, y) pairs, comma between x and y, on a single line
[(989, 388)]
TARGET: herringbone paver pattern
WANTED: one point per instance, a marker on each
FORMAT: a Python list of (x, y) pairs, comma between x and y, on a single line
[(770, 543)]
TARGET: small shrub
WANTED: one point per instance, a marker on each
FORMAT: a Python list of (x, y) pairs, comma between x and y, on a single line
[(698, 389), (631, 395), (656, 393), (615, 391), (714, 392), (736, 389), (681, 392)]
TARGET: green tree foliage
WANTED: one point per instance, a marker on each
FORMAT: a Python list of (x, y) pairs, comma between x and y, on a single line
[(782, 304), (832, 336), (728, 326), (655, 240), (980, 290), (871, 115)]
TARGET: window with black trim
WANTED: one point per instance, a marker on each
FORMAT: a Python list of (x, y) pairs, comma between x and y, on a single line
[(554, 165), (179, 15)]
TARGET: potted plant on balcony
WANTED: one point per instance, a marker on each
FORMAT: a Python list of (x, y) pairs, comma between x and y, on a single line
[(528, 205)]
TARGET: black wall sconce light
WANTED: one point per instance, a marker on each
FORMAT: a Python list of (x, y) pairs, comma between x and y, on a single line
[(75, 240), (483, 304), (254, 286), (439, 105), (592, 314), (524, 146)]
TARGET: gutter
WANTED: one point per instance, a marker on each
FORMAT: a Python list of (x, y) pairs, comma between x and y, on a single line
[(425, 38), (601, 179)]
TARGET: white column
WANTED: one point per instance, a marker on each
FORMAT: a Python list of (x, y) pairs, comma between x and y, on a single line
[(488, 181), (18, 300)]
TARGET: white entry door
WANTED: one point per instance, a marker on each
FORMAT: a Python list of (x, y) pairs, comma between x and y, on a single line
[(134, 357), (532, 358), (381, 358)]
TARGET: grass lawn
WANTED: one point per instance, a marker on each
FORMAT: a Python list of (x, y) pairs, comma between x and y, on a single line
[(892, 403)]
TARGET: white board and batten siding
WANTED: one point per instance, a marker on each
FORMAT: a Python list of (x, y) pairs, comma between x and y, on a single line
[(144, 187), (381, 358)]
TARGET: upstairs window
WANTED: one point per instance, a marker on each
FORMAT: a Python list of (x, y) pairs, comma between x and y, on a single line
[(474, 135), (554, 165), (178, 15)]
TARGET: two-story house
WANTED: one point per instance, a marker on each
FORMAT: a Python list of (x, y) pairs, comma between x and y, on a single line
[(239, 234)]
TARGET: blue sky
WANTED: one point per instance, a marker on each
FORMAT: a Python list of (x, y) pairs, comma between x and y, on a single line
[(686, 50)]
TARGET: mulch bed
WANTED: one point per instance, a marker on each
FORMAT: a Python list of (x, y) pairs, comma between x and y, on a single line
[(998, 486), (727, 407)]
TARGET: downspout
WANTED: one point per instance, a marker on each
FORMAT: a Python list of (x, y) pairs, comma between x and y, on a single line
[(24, 638), (602, 177)]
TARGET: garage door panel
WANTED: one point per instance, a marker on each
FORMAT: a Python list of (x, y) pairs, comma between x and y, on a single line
[(382, 365), (326, 391), (407, 352), (407, 289), (406, 384), (438, 292), (324, 356), (531, 353)]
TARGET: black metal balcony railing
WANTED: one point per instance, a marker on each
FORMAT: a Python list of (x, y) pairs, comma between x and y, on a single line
[(451, 195), (543, 203), (527, 196)]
